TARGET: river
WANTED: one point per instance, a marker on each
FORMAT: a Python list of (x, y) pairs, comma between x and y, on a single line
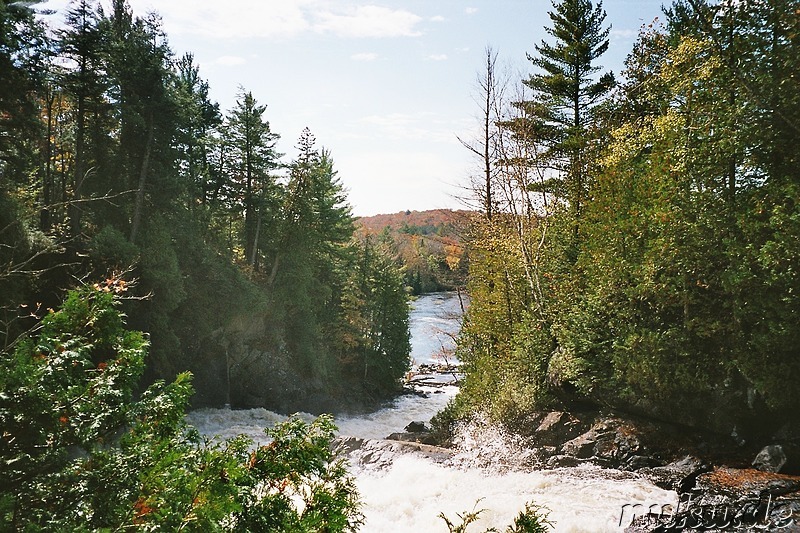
[(406, 492)]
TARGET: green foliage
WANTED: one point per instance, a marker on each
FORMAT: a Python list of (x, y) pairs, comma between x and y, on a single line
[(373, 339), (115, 152), (567, 93), (531, 520), (253, 159), (22, 47), (674, 291), (302, 488), (113, 249), (81, 452)]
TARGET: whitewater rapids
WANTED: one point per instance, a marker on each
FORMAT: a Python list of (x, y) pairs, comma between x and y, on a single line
[(406, 492)]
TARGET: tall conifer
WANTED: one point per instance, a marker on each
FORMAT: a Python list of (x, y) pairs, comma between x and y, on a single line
[(566, 91)]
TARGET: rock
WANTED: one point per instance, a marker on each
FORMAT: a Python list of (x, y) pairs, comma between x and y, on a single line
[(564, 461), (610, 440), (730, 499), (783, 458), (637, 462), (746, 482), (550, 420), (381, 454), (556, 428), (417, 427), (673, 475), (421, 437), (581, 446)]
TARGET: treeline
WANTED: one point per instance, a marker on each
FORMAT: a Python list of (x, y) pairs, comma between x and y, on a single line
[(427, 246), (640, 237), (115, 163)]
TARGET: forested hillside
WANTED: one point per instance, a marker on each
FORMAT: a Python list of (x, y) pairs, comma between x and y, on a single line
[(428, 246), (241, 266), (640, 238)]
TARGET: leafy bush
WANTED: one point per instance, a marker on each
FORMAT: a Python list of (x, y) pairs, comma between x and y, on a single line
[(80, 452)]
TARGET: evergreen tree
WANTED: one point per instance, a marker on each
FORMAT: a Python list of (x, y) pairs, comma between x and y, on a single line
[(253, 160), (82, 42), (375, 320), (83, 451), (310, 267), (199, 117), (22, 51), (566, 92), (317, 217), (139, 64)]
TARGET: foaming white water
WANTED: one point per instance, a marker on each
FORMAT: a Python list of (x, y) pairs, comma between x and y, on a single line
[(492, 470), (397, 415), (228, 423), (406, 492), (409, 496)]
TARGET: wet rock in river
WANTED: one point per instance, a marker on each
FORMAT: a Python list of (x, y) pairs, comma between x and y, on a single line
[(420, 437), (417, 427)]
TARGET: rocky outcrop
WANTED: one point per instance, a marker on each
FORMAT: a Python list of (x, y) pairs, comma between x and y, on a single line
[(728, 499), (379, 454), (615, 440), (415, 432)]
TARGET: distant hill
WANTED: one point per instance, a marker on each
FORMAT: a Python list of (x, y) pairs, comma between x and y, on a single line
[(427, 243), (428, 222)]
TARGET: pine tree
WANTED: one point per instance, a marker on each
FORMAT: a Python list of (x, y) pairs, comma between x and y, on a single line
[(566, 94), (21, 48), (82, 43), (199, 117), (140, 71), (253, 159)]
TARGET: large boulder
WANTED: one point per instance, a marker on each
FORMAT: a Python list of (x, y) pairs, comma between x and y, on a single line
[(556, 427), (422, 437), (775, 458)]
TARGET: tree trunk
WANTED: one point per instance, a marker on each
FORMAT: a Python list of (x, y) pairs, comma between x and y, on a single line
[(80, 134), (137, 211), (45, 220)]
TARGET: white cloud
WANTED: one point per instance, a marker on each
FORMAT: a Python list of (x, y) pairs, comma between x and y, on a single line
[(232, 18), (279, 18), (230, 61), (364, 56), (369, 21), (437, 18), (438, 57), (471, 10)]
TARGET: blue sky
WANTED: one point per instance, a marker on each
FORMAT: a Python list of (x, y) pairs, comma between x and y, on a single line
[(385, 85)]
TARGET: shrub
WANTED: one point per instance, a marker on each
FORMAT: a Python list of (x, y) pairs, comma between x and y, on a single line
[(80, 452)]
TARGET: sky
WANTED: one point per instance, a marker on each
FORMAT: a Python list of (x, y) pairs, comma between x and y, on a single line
[(387, 86)]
